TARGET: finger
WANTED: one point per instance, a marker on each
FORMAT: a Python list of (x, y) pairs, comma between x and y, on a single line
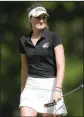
[(56, 99)]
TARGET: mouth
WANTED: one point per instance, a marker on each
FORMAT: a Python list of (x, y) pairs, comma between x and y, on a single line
[(40, 23)]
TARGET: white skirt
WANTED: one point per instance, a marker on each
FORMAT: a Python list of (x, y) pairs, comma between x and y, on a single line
[(39, 91)]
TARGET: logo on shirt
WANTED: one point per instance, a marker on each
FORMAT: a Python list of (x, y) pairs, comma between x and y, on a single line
[(45, 45)]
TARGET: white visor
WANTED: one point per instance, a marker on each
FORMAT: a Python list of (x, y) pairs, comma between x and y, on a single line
[(37, 11)]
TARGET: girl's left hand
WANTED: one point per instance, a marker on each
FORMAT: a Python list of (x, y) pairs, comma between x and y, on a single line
[(57, 96)]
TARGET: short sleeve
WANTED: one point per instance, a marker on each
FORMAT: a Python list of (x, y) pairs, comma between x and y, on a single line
[(20, 47), (56, 39)]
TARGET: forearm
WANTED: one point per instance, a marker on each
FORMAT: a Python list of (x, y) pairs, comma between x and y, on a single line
[(60, 76), (60, 64), (24, 75)]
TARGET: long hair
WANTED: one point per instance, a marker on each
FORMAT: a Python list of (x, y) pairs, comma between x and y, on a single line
[(28, 10)]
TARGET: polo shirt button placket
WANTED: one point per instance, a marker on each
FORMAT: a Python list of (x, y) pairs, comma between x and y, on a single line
[(35, 50)]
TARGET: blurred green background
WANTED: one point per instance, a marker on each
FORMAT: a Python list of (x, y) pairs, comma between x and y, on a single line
[(67, 19)]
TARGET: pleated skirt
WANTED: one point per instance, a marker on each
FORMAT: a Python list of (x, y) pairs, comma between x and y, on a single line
[(39, 91)]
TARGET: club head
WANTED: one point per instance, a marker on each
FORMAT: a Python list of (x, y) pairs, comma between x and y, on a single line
[(81, 86)]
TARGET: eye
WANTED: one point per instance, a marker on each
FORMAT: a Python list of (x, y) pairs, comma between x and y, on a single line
[(38, 17), (43, 17)]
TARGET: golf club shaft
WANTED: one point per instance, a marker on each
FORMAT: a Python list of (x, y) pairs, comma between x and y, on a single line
[(53, 103)]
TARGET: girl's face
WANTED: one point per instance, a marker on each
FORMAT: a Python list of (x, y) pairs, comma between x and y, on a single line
[(39, 22)]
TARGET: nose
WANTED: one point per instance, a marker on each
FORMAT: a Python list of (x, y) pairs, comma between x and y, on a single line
[(41, 20)]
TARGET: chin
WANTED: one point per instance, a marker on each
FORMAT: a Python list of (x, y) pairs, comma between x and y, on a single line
[(41, 28)]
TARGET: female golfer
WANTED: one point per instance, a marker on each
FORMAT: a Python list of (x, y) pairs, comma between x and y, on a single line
[(42, 67)]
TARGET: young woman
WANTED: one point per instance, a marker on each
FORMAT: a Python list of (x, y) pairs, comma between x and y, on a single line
[(42, 67)]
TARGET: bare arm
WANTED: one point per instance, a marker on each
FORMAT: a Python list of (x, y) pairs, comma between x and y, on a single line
[(60, 62), (24, 71)]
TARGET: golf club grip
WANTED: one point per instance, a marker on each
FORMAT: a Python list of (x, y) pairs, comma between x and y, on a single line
[(50, 104)]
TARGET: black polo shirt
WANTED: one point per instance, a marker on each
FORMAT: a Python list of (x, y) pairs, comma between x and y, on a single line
[(41, 57)]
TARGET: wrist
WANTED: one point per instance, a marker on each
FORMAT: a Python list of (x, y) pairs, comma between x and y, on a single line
[(58, 89)]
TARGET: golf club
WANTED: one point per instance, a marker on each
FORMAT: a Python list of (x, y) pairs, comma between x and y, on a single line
[(54, 103)]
